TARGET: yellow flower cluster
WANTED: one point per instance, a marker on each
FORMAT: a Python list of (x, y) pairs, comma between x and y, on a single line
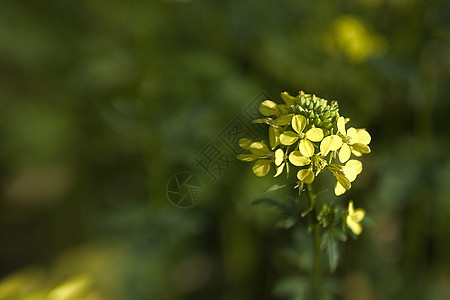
[(308, 134)]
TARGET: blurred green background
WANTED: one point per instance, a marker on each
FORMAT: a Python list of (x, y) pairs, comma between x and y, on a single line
[(102, 102)]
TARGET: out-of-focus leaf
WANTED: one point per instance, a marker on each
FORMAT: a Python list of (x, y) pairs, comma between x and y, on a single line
[(329, 244), (275, 187), (272, 204), (286, 222), (295, 288)]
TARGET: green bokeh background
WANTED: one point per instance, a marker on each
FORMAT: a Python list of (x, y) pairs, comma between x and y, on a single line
[(102, 102)]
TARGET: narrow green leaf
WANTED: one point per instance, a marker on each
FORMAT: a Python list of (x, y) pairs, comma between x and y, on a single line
[(329, 244), (275, 187)]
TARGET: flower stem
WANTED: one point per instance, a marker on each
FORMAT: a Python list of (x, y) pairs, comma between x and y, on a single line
[(317, 271)]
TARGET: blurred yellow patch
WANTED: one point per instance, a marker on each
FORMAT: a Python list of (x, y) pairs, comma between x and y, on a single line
[(354, 217), (352, 37), (75, 288)]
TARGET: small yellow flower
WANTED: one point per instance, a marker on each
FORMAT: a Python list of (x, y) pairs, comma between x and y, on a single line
[(351, 169), (354, 217), (259, 152), (354, 141), (306, 146), (269, 108), (297, 159), (280, 161), (330, 143)]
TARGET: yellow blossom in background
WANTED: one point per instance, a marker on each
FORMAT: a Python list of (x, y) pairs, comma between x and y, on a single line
[(352, 37), (354, 217)]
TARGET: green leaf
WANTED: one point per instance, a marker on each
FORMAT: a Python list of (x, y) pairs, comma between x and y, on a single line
[(286, 222), (295, 288), (338, 234), (280, 207), (329, 244), (275, 187)]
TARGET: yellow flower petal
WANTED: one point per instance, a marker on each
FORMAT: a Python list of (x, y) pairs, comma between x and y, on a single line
[(341, 125), (282, 109), (344, 153), (279, 156), (306, 148), (342, 179), (245, 143), (354, 217), (352, 134), (349, 172), (363, 136), (298, 123), (306, 176), (284, 120), (288, 99), (314, 134), (356, 153), (358, 215), (351, 208), (330, 143), (356, 165), (259, 149), (261, 167), (268, 108), (274, 137), (297, 159), (288, 138), (279, 170), (355, 227), (339, 189), (247, 157), (361, 148)]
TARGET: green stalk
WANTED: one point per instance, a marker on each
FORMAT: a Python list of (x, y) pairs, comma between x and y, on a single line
[(317, 271)]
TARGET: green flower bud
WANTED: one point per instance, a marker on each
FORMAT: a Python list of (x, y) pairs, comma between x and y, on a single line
[(327, 215)]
